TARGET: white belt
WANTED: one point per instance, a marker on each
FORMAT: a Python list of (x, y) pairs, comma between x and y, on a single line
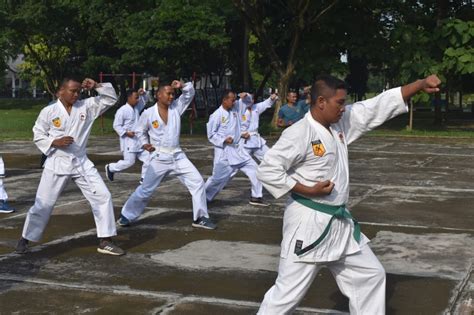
[(168, 150)]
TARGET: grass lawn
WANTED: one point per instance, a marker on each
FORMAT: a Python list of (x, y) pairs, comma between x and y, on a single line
[(18, 116)]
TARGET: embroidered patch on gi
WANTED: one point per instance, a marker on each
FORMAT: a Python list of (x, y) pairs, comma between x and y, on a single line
[(223, 119), (298, 245), (155, 124), (244, 118), (318, 148), (82, 116), (57, 122)]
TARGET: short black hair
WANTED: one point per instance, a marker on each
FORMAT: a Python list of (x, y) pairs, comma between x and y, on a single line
[(131, 91), (65, 80), (161, 86), (325, 84), (225, 94)]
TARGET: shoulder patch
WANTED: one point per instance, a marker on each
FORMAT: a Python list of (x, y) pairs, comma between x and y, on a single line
[(318, 148)]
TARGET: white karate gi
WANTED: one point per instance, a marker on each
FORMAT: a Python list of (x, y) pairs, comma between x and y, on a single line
[(71, 162), (228, 158), (3, 192), (126, 119), (255, 145), (168, 158), (358, 273)]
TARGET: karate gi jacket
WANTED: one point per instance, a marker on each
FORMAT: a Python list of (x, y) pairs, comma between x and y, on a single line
[(126, 119), (250, 122), (54, 122), (223, 124), (165, 137), (308, 153)]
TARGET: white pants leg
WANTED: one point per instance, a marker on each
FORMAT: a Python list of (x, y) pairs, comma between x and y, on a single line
[(100, 201), (250, 169), (360, 277), (220, 177), (294, 279), (128, 161), (260, 152), (3, 192), (144, 156), (136, 203), (49, 189), (190, 177)]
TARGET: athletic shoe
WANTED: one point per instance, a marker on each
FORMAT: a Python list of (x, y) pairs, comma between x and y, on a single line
[(123, 221), (204, 223), (5, 207), (258, 202), (22, 246), (108, 173), (106, 246)]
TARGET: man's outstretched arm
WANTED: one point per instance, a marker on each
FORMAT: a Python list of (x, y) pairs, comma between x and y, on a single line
[(429, 85)]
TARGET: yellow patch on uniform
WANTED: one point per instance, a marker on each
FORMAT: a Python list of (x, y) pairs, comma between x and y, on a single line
[(318, 148), (244, 118), (155, 124), (57, 122), (223, 119)]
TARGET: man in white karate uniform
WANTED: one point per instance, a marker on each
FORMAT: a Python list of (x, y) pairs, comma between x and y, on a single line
[(223, 131), (61, 132), (310, 160), (159, 130), (125, 125), (4, 206), (251, 140)]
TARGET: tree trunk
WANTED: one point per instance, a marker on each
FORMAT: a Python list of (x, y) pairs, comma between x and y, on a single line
[(283, 84), (245, 58)]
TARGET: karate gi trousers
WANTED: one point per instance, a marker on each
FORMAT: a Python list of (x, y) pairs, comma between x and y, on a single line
[(359, 276), (157, 170), (223, 172), (129, 159), (3, 192), (258, 153), (50, 188)]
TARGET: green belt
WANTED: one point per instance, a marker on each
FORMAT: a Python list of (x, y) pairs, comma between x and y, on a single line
[(337, 212)]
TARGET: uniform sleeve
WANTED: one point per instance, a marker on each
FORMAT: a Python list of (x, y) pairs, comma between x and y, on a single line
[(262, 106), (143, 99), (41, 137), (118, 124), (106, 99), (185, 98), (278, 161), (142, 129), (213, 130), (364, 116)]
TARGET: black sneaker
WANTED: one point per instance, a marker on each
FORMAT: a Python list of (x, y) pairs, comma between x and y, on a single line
[(123, 221), (204, 223), (106, 246), (22, 246), (5, 207), (109, 174), (258, 202)]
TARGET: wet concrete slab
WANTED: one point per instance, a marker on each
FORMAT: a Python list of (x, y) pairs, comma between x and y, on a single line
[(412, 196), (19, 299)]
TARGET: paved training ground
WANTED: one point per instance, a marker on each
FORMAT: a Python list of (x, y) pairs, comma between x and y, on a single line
[(414, 197)]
